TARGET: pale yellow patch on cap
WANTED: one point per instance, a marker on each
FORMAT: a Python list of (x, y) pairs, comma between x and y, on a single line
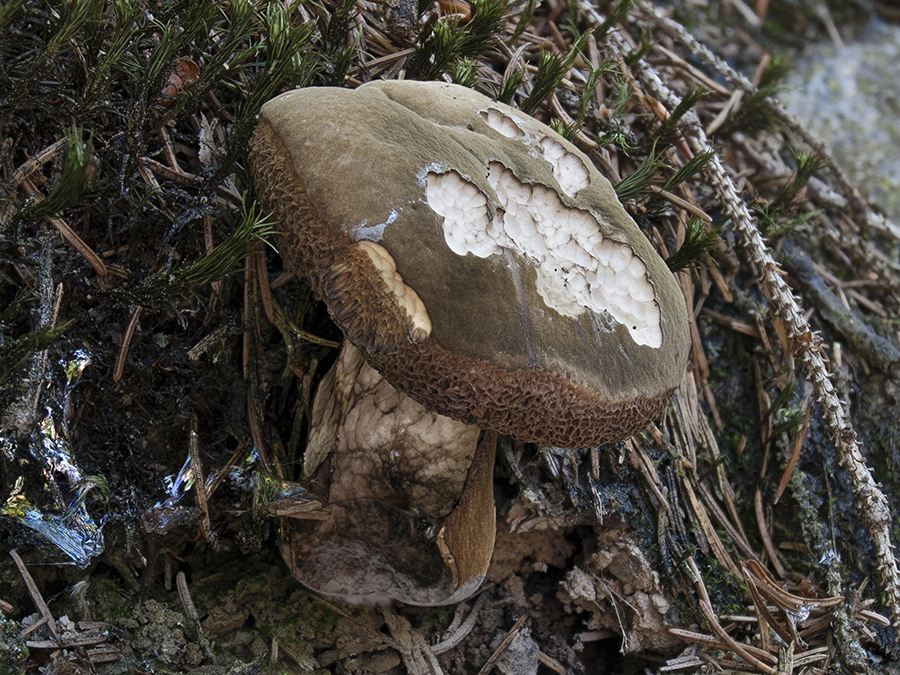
[(406, 297)]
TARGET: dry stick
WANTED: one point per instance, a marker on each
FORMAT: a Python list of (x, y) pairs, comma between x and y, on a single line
[(415, 652), (736, 537), (216, 286), (258, 259), (36, 596), (710, 615), (707, 529), (870, 501), (36, 162), (199, 480), (551, 663), (795, 451), (764, 535), (190, 610), (491, 662), (463, 629), (119, 368), (693, 209), (640, 460), (187, 603), (185, 178)]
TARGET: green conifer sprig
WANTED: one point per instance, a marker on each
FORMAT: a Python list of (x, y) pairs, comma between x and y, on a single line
[(567, 131), (71, 188), (780, 215), (524, 21), (161, 288), (753, 115), (646, 174), (111, 56), (593, 78), (551, 70), (618, 12), (699, 239), (463, 72), (289, 62), (667, 133), (690, 169), (9, 10), (512, 80), (451, 41), (643, 49)]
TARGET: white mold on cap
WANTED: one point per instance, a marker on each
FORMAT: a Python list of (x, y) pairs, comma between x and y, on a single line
[(461, 202), (500, 122), (406, 297), (577, 267), (568, 168)]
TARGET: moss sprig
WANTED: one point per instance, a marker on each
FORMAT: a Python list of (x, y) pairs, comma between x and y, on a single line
[(646, 174), (689, 170), (71, 188), (551, 70), (290, 61), (699, 239), (615, 15), (754, 114), (593, 79), (451, 40), (524, 20), (781, 214), (161, 288), (667, 133)]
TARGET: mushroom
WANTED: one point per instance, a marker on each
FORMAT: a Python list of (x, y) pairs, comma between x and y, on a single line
[(410, 507), (482, 265)]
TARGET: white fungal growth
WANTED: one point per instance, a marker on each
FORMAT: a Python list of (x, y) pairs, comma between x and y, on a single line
[(461, 202), (567, 168), (501, 122), (577, 267)]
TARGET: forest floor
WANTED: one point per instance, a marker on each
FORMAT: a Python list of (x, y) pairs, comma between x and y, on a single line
[(148, 337)]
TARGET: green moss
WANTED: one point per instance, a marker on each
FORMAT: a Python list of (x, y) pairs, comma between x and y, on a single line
[(13, 651), (109, 600)]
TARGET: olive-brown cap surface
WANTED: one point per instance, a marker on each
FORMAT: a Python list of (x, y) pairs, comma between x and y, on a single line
[(478, 259)]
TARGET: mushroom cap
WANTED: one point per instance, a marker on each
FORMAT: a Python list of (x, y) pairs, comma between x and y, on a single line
[(479, 260)]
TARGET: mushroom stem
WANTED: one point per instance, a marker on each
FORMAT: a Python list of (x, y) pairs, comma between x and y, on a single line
[(466, 539), (410, 505)]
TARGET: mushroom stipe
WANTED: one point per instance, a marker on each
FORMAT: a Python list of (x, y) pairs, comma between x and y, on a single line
[(485, 268)]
